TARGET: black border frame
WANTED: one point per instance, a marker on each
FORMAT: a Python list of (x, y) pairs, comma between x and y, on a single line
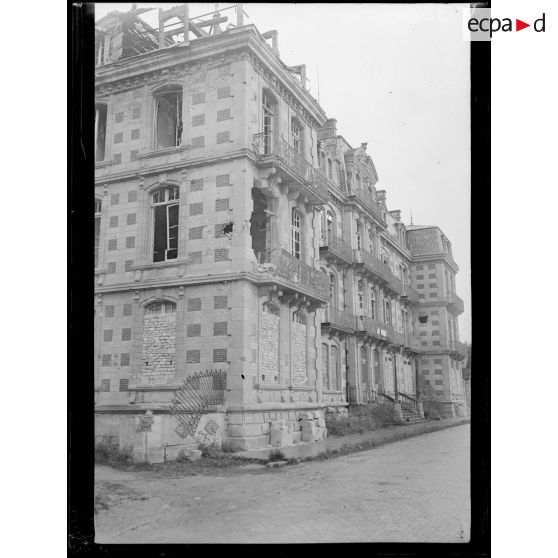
[(80, 319)]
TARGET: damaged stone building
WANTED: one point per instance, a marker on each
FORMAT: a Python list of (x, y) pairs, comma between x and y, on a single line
[(241, 244)]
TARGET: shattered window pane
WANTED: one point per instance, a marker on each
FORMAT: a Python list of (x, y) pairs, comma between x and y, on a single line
[(169, 119)]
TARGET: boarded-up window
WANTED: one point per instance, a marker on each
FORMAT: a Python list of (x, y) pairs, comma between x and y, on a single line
[(193, 304), (221, 254), (169, 119), (105, 385), (159, 342), (219, 355), (298, 349)]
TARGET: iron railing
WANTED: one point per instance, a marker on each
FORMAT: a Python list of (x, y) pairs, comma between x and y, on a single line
[(371, 263), (367, 199), (270, 144), (339, 318), (337, 247), (459, 348), (193, 398), (455, 301), (295, 272), (411, 294)]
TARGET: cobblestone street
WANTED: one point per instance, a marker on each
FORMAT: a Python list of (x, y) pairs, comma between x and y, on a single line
[(408, 491)]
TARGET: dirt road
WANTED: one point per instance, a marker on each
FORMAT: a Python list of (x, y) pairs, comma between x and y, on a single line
[(413, 490)]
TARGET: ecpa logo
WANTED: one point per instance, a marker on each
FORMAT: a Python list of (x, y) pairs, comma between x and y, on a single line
[(478, 25)]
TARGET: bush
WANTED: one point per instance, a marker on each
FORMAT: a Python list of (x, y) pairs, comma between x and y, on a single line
[(276, 455), (106, 454), (432, 409), (361, 418), (210, 450)]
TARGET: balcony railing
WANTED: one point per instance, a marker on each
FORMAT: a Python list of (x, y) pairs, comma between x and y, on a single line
[(271, 145), (337, 247), (371, 263), (339, 319), (453, 300), (297, 274), (367, 199), (413, 343), (411, 294), (379, 329), (459, 348)]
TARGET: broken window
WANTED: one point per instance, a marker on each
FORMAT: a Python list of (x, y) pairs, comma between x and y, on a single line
[(100, 131), (97, 230), (269, 110), (259, 226), (165, 224), (168, 110), (296, 234)]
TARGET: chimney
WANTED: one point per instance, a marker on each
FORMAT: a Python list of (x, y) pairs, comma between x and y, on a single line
[(274, 36), (381, 196), (396, 214), (329, 129)]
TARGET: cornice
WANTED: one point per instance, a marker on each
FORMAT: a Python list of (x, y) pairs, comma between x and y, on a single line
[(423, 258), (136, 171), (179, 61)]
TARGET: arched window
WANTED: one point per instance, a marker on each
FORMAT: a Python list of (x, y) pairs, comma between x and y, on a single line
[(159, 341), (299, 318), (325, 366), (162, 307), (334, 374), (164, 206), (322, 161), (371, 247), (330, 218), (372, 302), (296, 234), (360, 291), (296, 135), (387, 313), (100, 131), (333, 290), (168, 117), (98, 207), (269, 111), (364, 365), (359, 237)]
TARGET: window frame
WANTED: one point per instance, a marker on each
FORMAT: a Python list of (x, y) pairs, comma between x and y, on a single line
[(171, 199), (179, 125), (297, 224)]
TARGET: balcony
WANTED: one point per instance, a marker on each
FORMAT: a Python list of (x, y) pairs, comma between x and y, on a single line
[(336, 248), (413, 343), (395, 284), (458, 348), (379, 329), (338, 319), (455, 302), (278, 266), (273, 150), (411, 294), (367, 199), (372, 264)]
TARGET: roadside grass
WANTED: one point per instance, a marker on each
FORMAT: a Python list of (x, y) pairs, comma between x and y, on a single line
[(216, 461), (108, 494), (390, 436), (360, 419)]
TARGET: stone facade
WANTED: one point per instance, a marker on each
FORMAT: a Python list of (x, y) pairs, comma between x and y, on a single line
[(247, 214)]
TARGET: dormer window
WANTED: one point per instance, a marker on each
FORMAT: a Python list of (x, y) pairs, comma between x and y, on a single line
[(168, 111)]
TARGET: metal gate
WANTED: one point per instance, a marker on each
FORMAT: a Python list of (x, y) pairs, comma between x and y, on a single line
[(192, 399)]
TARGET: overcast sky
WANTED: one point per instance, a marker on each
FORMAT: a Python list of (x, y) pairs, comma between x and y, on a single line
[(397, 77)]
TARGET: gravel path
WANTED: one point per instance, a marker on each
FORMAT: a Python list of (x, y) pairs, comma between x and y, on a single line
[(412, 490)]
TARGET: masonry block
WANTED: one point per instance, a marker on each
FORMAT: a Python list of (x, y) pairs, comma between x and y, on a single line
[(235, 430)]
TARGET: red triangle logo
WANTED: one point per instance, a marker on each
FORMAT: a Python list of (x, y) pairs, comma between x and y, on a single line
[(519, 25)]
